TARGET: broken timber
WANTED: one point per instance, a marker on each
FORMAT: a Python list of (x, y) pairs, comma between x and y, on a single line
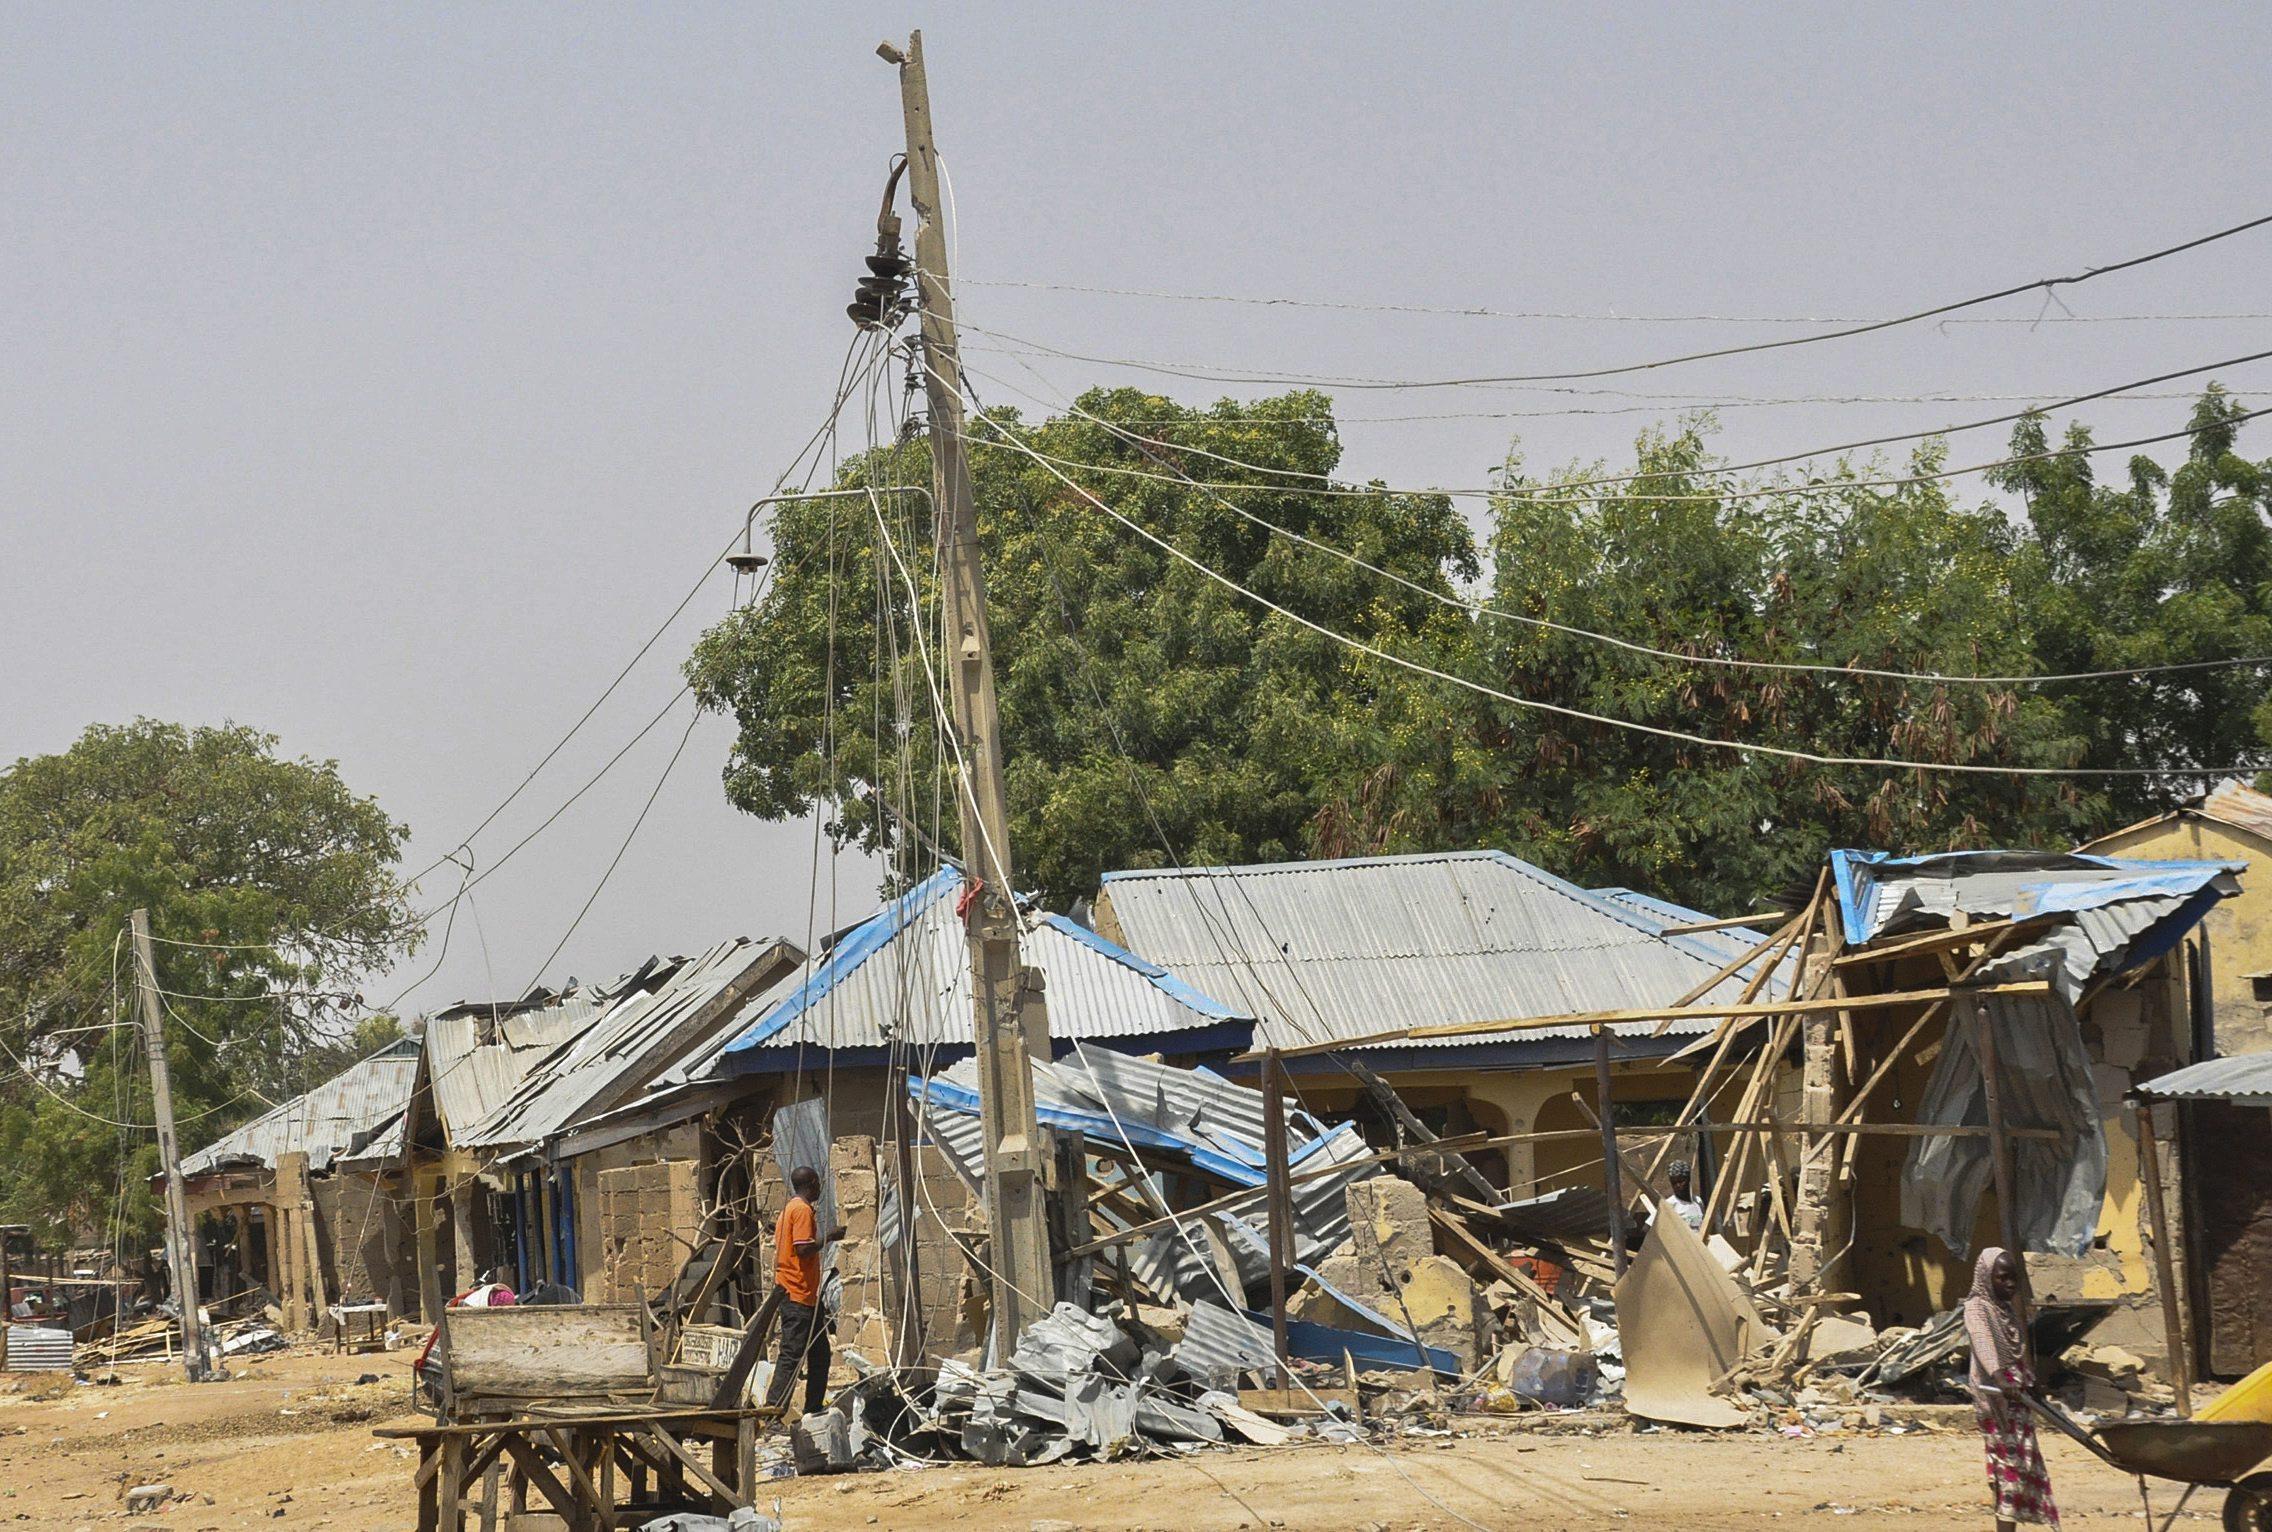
[(1782, 1008)]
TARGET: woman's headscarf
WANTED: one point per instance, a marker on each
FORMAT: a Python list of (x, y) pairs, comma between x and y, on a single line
[(1990, 1322)]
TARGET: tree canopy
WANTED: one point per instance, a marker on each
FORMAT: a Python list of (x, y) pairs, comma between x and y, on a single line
[(1144, 706), (271, 894), (1150, 713)]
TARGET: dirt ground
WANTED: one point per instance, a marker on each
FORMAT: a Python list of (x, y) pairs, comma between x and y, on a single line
[(286, 1444)]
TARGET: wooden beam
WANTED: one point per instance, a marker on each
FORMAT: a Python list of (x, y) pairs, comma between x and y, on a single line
[(694, 1464), (1769, 955), (1513, 1275), (2173, 1323), (533, 1467), (1721, 925), (1779, 1008), (1935, 941)]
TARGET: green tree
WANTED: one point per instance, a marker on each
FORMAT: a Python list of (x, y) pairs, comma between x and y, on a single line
[(1235, 724), (2167, 567), (270, 887), (1682, 560)]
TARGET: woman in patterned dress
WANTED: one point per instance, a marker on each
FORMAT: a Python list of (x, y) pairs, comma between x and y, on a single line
[(2000, 1376)]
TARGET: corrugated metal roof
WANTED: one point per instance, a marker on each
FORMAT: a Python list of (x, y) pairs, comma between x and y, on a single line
[(1883, 895), (354, 1114), (632, 1042), (470, 1079), (2244, 1080), (904, 974), (2241, 806), (1345, 949), (2115, 912)]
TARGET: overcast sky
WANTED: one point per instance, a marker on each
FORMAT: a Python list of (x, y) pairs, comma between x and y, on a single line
[(382, 376)]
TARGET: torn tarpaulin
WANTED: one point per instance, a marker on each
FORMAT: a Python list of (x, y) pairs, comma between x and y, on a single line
[(2097, 915)]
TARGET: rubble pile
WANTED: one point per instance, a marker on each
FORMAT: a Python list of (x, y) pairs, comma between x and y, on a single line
[(1412, 1305)]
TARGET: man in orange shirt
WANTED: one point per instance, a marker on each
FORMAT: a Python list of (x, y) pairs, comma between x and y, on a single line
[(797, 1244)]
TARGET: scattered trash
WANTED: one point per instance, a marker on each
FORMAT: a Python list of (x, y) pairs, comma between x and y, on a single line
[(145, 1498)]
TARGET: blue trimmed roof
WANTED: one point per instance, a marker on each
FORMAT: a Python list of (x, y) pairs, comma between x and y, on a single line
[(904, 973)]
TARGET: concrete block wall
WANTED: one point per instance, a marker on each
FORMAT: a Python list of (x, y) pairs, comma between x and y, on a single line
[(649, 1218), (363, 1236), (858, 1166)]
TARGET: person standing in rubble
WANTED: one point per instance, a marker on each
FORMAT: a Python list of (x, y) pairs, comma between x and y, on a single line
[(2001, 1380), (797, 1244), (1683, 1199)]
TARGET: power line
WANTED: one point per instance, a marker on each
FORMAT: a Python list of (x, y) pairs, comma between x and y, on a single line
[(617, 860), (1596, 316), (845, 385), (2046, 285), (1682, 736), (1540, 497), (1689, 402), (1770, 462), (1481, 609)]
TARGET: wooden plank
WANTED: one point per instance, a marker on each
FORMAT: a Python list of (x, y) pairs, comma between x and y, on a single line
[(1280, 1205), (626, 1416), (1297, 1404), (1514, 1276), (2173, 1324), (450, 1486), (693, 1465), (1935, 941), (534, 1470), (1694, 926), (1778, 1008)]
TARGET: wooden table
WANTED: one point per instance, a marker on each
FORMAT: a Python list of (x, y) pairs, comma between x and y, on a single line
[(579, 1460), (374, 1325)]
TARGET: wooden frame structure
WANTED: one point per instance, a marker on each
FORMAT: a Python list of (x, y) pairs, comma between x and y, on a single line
[(578, 1461), (565, 1401)]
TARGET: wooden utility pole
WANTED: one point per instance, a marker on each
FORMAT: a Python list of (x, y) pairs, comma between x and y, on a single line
[(181, 1259), (1612, 1173), (1005, 996), (1281, 1204), (2165, 1269)]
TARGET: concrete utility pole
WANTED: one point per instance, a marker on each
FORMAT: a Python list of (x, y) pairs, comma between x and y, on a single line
[(1006, 995), (181, 1259)]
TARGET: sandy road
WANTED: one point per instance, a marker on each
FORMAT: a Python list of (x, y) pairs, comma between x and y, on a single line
[(286, 1444)]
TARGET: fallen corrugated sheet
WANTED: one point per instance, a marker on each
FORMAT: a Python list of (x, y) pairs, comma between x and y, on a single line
[(904, 975), (1682, 1323), (1574, 1212), (2243, 1080), (640, 1037), (356, 1114), (1172, 1119), (34, 1348), (1346, 949)]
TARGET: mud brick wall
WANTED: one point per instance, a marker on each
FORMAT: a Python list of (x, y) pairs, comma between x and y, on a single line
[(649, 1215)]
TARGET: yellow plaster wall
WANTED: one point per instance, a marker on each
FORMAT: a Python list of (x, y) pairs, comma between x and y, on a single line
[(1507, 1101), (2239, 928)]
